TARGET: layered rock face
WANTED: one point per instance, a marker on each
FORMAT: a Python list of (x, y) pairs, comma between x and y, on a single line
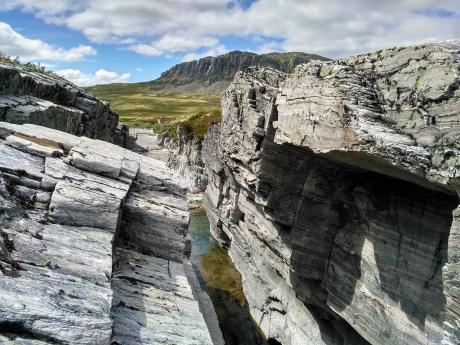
[(51, 101), (92, 244), (335, 189), (186, 158)]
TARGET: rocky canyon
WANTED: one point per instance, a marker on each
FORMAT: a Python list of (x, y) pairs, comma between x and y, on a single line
[(333, 187)]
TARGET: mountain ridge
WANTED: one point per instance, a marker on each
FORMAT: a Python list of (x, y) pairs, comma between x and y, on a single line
[(214, 74)]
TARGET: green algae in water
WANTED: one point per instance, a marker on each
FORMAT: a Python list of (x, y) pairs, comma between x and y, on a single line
[(219, 273), (220, 279)]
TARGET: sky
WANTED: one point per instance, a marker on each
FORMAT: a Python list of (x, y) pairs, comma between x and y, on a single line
[(95, 41)]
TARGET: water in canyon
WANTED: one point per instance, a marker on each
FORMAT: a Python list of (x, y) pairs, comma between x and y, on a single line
[(220, 279)]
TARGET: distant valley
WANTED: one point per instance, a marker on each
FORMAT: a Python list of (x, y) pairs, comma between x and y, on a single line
[(188, 89)]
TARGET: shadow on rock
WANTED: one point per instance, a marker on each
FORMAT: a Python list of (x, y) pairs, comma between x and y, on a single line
[(364, 244)]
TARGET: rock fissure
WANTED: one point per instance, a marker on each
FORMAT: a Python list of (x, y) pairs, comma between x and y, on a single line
[(19, 330), (334, 188)]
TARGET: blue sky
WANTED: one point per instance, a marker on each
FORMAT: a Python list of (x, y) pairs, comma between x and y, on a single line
[(109, 57), (126, 41)]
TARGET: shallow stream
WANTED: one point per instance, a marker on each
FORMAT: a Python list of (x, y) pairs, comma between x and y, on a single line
[(220, 279)]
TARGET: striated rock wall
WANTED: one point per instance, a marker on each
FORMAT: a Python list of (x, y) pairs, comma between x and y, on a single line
[(335, 189), (51, 101), (186, 158), (92, 242)]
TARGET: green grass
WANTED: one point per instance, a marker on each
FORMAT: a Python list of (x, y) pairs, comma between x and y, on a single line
[(139, 106), (196, 125)]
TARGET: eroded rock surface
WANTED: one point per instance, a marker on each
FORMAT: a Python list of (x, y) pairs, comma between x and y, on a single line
[(335, 189), (186, 158), (51, 101), (91, 246), (153, 303)]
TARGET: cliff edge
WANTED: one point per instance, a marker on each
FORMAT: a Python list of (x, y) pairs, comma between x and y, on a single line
[(214, 74)]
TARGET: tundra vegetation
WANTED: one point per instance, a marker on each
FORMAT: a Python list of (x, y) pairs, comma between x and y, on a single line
[(139, 106), (30, 66)]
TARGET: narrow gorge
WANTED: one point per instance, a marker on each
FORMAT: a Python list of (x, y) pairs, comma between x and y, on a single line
[(332, 189)]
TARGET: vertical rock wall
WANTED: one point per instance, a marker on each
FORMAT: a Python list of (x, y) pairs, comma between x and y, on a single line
[(335, 190), (186, 158)]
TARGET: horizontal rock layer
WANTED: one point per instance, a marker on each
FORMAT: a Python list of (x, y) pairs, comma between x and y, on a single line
[(335, 189), (91, 246), (48, 100)]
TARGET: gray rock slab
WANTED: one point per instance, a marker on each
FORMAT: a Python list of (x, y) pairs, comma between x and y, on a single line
[(153, 303), (45, 99), (66, 205)]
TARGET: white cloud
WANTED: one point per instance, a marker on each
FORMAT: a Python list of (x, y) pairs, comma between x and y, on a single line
[(183, 43), (139, 69), (173, 44), (14, 44), (331, 28), (42, 7), (145, 49), (211, 52), (101, 76), (268, 47)]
